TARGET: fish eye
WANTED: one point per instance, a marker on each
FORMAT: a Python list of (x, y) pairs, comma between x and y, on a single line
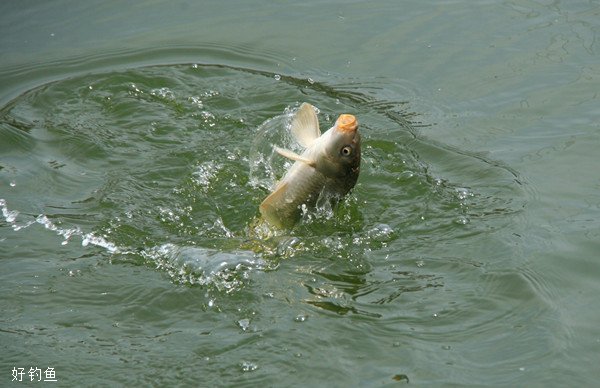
[(347, 150)]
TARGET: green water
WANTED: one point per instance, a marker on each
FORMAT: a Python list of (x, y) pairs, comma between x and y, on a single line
[(135, 150)]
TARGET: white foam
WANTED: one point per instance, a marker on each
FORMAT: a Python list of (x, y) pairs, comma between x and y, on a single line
[(10, 216)]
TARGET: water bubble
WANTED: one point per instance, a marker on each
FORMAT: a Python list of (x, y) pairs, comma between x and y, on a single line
[(463, 193), (406, 175), (13, 184), (210, 93), (164, 93), (205, 173), (248, 366), (381, 232), (208, 118), (195, 100), (462, 220), (301, 318), (244, 324), (288, 246), (9, 215), (135, 89)]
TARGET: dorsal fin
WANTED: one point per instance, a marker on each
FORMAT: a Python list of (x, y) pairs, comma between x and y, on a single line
[(305, 125)]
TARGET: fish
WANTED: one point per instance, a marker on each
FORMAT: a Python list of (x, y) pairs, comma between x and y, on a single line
[(329, 166)]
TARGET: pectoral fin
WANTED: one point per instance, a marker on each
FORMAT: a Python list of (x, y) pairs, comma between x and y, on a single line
[(305, 125), (294, 156)]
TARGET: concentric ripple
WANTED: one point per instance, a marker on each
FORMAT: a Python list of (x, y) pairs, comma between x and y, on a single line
[(162, 168)]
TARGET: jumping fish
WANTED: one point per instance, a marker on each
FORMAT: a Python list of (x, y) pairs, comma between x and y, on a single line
[(329, 166)]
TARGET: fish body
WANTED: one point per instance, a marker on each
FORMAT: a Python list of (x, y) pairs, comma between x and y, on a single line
[(329, 165)]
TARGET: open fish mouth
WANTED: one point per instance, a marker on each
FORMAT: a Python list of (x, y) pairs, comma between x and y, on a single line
[(347, 123)]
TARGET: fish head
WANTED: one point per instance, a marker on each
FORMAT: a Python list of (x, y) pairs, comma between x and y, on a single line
[(342, 153)]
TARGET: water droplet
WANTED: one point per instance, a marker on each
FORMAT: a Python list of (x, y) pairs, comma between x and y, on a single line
[(446, 347), (311, 81), (277, 77), (13, 184), (301, 318)]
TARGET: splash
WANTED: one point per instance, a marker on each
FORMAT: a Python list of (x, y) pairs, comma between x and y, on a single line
[(264, 166), (226, 271), (223, 271), (10, 216)]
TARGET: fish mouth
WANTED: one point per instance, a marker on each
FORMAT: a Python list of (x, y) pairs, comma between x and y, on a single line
[(347, 123)]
